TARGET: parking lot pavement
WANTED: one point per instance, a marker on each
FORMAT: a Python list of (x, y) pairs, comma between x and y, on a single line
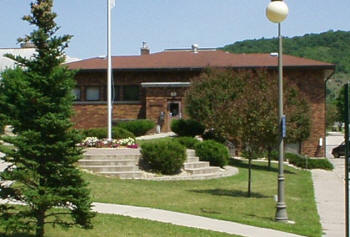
[(333, 139)]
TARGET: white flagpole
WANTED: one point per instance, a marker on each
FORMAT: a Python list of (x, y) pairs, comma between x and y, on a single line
[(109, 71)]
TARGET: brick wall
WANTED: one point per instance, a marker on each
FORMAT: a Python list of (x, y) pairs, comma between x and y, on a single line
[(312, 87), (95, 115)]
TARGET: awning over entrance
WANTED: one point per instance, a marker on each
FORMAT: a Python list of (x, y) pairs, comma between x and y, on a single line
[(165, 84)]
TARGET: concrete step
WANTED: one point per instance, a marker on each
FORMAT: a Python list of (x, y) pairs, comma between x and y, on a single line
[(194, 165), (190, 152), (206, 170), (111, 151), (112, 157), (109, 168), (108, 162), (125, 175), (192, 159)]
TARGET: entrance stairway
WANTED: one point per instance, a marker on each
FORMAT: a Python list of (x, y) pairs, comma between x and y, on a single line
[(193, 166), (124, 163)]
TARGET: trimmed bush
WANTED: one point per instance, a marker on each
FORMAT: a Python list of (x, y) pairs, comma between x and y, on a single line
[(120, 133), (187, 127), (188, 142), (94, 132), (137, 127), (212, 151), (165, 157), (308, 163), (117, 133), (212, 135), (274, 155)]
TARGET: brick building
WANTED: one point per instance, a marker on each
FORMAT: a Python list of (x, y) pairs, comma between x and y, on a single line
[(152, 86)]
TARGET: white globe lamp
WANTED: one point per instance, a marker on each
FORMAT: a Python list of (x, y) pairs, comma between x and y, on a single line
[(277, 11)]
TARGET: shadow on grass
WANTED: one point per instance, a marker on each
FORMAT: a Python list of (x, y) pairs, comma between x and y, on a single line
[(243, 164), (16, 235), (230, 193), (261, 217)]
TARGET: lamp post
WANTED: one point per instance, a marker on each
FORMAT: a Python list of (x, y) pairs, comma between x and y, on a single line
[(276, 12)]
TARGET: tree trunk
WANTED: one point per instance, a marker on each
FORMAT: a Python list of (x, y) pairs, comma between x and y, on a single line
[(249, 177), (269, 158), (40, 224)]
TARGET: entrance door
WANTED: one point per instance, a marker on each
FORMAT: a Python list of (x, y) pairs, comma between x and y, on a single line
[(174, 111)]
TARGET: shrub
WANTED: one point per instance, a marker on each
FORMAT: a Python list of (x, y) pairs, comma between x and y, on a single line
[(187, 127), (274, 155), (212, 135), (308, 163), (117, 133), (214, 152), (188, 142), (137, 127), (120, 133), (166, 157), (94, 132)]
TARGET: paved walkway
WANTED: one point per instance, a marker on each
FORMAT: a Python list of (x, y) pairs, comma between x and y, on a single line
[(330, 191), (156, 135), (189, 220)]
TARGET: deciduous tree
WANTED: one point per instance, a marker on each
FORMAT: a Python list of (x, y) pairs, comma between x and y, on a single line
[(242, 107)]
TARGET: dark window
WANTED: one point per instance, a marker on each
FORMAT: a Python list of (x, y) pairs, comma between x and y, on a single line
[(116, 93), (76, 93), (174, 109), (131, 93), (92, 93)]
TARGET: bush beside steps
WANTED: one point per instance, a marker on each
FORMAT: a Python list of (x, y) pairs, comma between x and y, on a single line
[(308, 163)]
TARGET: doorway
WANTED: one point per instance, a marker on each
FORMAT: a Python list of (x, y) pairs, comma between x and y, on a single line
[(174, 111)]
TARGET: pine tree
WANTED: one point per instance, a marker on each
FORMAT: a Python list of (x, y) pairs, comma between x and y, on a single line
[(36, 99)]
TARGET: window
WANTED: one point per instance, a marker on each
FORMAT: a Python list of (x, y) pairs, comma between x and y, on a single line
[(76, 94), (116, 93), (92, 93), (131, 93)]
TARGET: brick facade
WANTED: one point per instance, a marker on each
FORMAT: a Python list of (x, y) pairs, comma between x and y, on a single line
[(153, 101), (312, 87)]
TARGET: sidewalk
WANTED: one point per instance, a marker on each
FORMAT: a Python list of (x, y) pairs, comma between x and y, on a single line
[(330, 190), (188, 220), (156, 135)]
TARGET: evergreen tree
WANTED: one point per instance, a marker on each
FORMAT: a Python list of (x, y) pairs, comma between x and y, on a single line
[(36, 99)]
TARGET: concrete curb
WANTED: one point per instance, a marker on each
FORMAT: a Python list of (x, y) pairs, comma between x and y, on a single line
[(226, 172)]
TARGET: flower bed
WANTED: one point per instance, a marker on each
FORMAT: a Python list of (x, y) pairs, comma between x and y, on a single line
[(105, 143)]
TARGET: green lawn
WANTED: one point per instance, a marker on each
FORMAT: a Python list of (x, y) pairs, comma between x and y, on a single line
[(119, 226), (223, 198)]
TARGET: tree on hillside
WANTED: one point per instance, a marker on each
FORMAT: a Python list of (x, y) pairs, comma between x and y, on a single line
[(242, 107), (330, 46), (36, 99)]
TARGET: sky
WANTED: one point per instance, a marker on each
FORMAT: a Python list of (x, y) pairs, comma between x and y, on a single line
[(165, 24)]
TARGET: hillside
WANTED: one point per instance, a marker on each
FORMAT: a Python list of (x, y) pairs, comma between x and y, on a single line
[(331, 46)]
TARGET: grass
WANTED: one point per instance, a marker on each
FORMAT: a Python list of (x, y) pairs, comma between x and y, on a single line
[(120, 226), (224, 198)]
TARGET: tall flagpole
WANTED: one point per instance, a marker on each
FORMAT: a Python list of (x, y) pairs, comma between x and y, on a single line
[(109, 71)]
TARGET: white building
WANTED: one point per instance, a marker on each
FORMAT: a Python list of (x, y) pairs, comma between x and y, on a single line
[(26, 51)]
